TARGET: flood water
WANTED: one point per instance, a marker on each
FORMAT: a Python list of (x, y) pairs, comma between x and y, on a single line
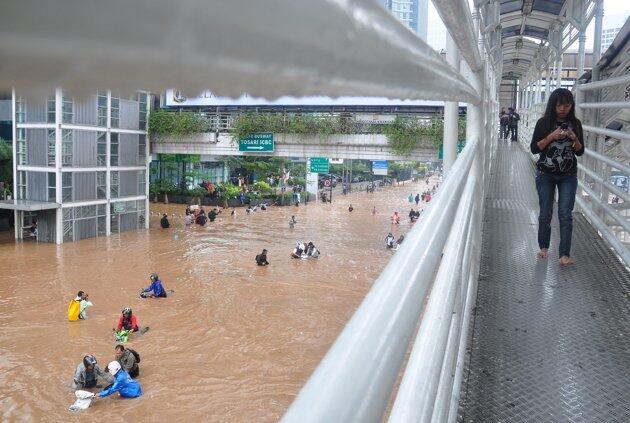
[(234, 343)]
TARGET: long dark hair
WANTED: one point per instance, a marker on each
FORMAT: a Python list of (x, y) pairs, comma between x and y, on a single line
[(558, 96)]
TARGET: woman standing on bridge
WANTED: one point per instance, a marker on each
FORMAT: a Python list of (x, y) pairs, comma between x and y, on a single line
[(558, 139)]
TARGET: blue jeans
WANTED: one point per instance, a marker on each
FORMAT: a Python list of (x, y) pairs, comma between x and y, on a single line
[(546, 184)]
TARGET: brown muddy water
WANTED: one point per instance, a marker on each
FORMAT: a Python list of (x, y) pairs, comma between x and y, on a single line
[(234, 343)]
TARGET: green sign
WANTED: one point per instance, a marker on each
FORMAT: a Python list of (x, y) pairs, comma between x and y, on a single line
[(119, 207), (319, 165), (257, 143), (460, 147)]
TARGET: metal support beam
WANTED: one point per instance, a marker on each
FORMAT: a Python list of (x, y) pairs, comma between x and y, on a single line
[(548, 79), (458, 21), (451, 110), (597, 40), (559, 70), (580, 63)]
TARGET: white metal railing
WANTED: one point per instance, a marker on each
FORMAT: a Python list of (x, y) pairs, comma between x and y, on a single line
[(440, 256), (355, 379), (594, 198)]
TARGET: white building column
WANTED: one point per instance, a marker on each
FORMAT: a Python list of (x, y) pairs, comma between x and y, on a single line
[(108, 218), (58, 164), (17, 225), (147, 164), (450, 111), (312, 180)]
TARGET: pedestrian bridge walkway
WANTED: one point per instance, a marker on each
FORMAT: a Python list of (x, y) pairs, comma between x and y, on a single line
[(549, 343)]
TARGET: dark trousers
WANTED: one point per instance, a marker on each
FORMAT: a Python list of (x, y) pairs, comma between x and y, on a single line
[(135, 372), (546, 186), (504, 131), (513, 130)]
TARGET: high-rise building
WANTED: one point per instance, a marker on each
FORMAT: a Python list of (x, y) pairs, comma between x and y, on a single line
[(412, 13), (608, 35), (80, 165)]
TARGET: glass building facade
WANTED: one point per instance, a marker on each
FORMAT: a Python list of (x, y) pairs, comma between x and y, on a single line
[(88, 158)]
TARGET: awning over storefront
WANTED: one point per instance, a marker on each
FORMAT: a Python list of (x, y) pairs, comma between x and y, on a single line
[(27, 205)]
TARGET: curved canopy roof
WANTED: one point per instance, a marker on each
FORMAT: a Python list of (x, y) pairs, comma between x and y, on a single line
[(526, 26)]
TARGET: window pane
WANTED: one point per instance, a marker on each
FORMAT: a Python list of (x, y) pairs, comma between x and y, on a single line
[(101, 228), (67, 231), (66, 179), (66, 194)]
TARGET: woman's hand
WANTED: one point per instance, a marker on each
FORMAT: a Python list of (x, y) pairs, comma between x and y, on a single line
[(558, 134)]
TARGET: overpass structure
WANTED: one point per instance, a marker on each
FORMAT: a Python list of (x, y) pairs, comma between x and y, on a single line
[(342, 146), (464, 323)]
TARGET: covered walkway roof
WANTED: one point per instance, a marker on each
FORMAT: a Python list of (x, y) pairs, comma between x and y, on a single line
[(536, 30), (27, 205)]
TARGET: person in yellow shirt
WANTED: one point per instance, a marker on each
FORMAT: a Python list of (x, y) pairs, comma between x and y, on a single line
[(74, 308)]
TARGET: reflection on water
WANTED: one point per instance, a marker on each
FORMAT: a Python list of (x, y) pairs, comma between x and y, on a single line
[(234, 343)]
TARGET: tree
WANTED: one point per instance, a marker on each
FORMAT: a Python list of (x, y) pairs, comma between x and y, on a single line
[(6, 166)]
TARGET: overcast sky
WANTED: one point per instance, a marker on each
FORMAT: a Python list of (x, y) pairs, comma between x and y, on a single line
[(615, 14)]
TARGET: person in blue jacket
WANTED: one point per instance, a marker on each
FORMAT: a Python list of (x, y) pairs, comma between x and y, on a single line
[(155, 289), (123, 383)]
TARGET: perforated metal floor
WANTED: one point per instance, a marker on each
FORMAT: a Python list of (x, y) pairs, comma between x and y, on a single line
[(548, 344)]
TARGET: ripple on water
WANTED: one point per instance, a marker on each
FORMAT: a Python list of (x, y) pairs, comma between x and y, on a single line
[(235, 342)]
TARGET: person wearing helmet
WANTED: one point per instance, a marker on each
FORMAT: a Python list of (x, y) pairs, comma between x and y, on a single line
[(155, 289), (86, 373), (123, 383), (127, 321)]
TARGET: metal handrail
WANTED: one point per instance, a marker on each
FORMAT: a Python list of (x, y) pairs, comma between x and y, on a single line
[(621, 167), (613, 188), (605, 105), (604, 230), (607, 132), (416, 398), (604, 206), (606, 83), (355, 379)]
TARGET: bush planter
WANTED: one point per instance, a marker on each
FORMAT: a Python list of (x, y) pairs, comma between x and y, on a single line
[(234, 202), (212, 201), (176, 198)]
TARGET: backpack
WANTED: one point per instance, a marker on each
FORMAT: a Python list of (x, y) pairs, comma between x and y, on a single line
[(74, 309), (135, 354)]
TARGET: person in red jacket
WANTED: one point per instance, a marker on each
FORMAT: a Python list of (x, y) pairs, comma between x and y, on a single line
[(127, 321)]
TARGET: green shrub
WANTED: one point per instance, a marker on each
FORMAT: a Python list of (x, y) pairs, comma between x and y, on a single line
[(229, 191), (163, 123), (262, 186)]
